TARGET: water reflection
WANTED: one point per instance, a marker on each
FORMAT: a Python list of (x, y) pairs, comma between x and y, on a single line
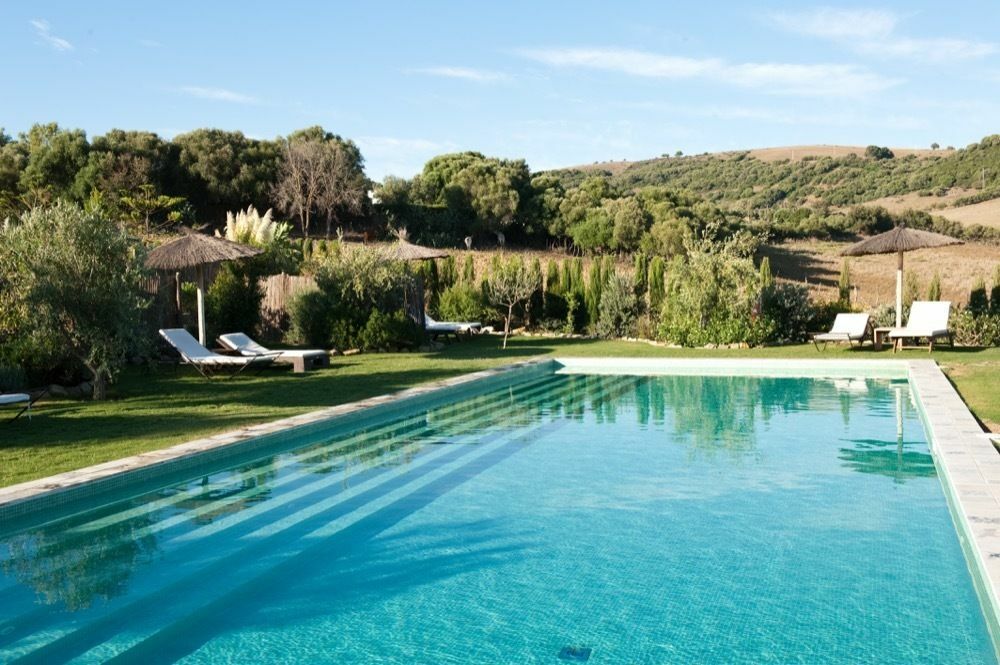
[(888, 458), (77, 571)]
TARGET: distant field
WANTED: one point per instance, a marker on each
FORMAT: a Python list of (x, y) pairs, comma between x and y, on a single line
[(913, 201), (797, 152), (819, 262), (986, 213), (794, 153)]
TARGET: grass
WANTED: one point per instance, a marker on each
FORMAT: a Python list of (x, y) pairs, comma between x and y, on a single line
[(152, 409)]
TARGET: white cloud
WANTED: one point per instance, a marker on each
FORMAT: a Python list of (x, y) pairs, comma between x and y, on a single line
[(832, 23), (217, 94), (777, 78), (465, 73), (44, 32), (874, 32)]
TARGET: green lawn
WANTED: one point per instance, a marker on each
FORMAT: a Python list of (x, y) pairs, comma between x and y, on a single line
[(152, 409)]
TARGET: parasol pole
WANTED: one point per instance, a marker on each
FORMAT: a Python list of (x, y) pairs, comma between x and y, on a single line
[(899, 290), (200, 271)]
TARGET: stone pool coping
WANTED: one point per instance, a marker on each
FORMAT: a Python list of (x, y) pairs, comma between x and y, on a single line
[(23, 499), (967, 460)]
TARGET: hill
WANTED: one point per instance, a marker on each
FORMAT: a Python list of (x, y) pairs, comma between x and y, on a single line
[(813, 176)]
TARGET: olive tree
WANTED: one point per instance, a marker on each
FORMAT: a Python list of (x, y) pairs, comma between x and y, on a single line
[(510, 283), (76, 275)]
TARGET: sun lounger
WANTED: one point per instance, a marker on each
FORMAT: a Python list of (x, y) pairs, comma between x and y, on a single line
[(207, 362), (928, 320), (848, 328), (300, 360), (435, 328), (21, 398)]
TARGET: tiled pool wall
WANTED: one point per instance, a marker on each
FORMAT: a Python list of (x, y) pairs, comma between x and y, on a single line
[(967, 462), (55, 496)]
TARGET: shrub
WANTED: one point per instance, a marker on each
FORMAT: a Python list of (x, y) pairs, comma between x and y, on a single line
[(975, 330), (934, 290), (233, 301), (618, 309), (388, 331), (713, 295), (76, 276), (788, 311), (309, 315), (461, 302)]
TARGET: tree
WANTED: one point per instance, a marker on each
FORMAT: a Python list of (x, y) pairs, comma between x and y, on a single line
[(81, 276), (54, 156), (320, 173), (935, 145), (220, 170), (509, 285), (145, 204), (878, 152), (844, 283)]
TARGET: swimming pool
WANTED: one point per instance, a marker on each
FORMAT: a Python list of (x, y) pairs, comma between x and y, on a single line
[(609, 517)]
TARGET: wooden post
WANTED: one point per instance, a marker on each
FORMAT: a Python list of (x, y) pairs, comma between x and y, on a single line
[(899, 291), (200, 271)]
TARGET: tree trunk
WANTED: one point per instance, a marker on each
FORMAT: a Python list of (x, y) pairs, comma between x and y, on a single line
[(506, 324)]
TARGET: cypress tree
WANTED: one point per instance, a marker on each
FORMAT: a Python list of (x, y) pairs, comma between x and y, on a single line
[(595, 287), (766, 277), (449, 273), (469, 271), (978, 301), (995, 292), (640, 276), (934, 290), (844, 283), (656, 270)]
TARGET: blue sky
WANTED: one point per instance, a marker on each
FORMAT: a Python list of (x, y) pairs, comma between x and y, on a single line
[(557, 83)]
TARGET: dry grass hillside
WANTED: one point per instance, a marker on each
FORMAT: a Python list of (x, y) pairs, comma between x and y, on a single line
[(792, 153), (818, 263), (797, 152), (986, 213)]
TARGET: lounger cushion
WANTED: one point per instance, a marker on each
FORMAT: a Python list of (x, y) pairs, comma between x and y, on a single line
[(15, 398), (248, 347)]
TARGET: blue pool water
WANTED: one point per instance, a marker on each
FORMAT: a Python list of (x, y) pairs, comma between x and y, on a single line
[(612, 519)]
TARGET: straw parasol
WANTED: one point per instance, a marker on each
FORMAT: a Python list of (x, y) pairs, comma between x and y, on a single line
[(404, 250), (898, 240), (197, 250)]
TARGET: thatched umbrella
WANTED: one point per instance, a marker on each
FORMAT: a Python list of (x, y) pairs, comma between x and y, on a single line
[(404, 250), (898, 240), (197, 250)]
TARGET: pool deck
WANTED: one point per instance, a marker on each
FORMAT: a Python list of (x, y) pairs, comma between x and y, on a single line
[(967, 460)]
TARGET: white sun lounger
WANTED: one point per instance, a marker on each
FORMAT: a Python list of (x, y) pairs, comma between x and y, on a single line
[(300, 360), (18, 398), (207, 362), (848, 328), (928, 319), (435, 328)]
